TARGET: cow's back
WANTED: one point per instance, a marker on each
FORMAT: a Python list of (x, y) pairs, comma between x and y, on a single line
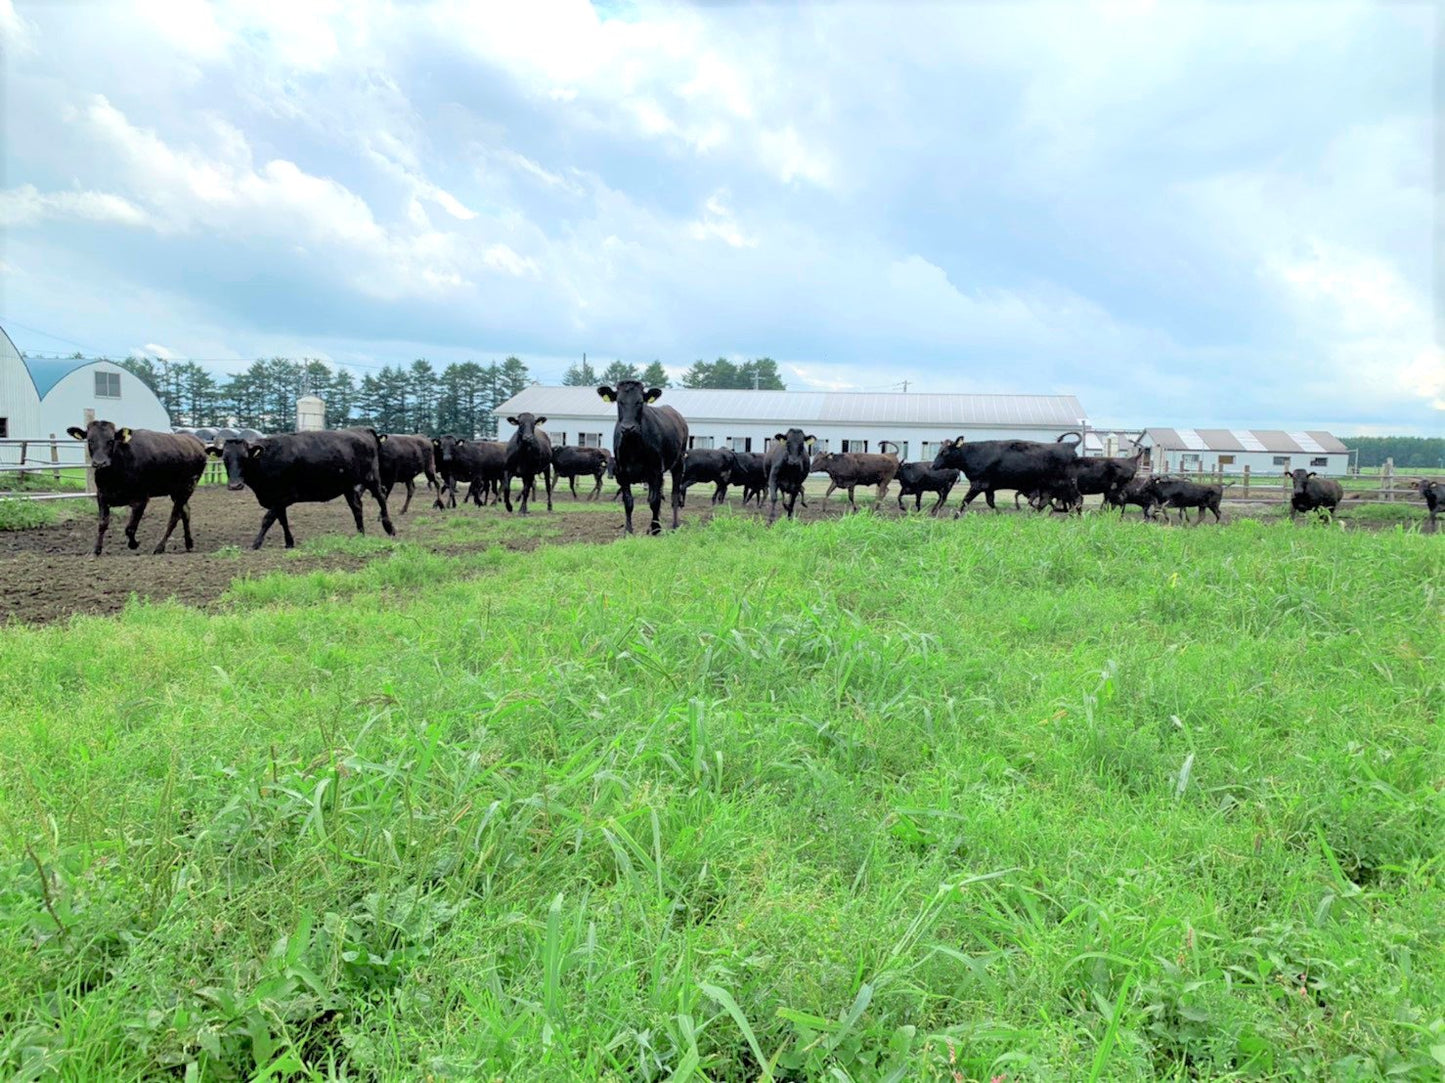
[(156, 464), (314, 466)]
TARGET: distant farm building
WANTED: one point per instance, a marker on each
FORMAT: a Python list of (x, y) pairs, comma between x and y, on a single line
[(841, 420), (1264, 451), (40, 398)]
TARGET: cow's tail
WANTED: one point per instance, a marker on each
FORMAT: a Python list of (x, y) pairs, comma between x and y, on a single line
[(1078, 438), (897, 451)]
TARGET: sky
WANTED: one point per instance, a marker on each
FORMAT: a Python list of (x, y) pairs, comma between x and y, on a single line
[(1200, 215)]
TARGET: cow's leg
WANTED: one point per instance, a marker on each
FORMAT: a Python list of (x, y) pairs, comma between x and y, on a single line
[(353, 501), (852, 506), (136, 511), (380, 497), (572, 484), (410, 492), (625, 489), (654, 501), (104, 523), (177, 503), (597, 489), (272, 514), (676, 477), (792, 499), (548, 478), (285, 521), (507, 489), (773, 499), (186, 523), (831, 486)]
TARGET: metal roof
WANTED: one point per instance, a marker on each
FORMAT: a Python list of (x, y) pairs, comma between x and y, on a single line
[(47, 372), (1313, 442), (813, 407)]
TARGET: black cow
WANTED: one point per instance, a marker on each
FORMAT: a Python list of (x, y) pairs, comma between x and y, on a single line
[(480, 463), (850, 469), (573, 462), (529, 453), (1095, 477), (1137, 492), (989, 465), (703, 465), (304, 468), (752, 475), (1312, 492), (647, 442), (788, 466), (1433, 490), (915, 479), (1170, 492), (402, 459), (133, 465)]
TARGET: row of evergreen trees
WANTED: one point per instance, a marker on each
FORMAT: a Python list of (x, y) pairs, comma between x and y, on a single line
[(761, 374), (415, 398), (1409, 452)]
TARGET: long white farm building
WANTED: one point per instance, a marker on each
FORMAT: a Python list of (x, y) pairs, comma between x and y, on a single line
[(1264, 451), (841, 420)]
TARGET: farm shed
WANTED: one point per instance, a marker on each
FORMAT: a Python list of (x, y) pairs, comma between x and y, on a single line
[(1264, 451), (841, 420), (74, 391), (19, 402)]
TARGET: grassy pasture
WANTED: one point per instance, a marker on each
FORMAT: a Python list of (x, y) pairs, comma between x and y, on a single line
[(1010, 797)]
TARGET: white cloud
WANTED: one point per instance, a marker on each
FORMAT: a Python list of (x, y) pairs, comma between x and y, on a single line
[(717, 223), (27, 206), (17, 34)]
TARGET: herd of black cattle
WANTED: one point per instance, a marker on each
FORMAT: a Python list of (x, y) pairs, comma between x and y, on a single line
[(649, 446)]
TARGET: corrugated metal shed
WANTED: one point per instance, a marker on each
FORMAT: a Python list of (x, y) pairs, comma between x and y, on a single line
[(1275, 441), (818, 407)]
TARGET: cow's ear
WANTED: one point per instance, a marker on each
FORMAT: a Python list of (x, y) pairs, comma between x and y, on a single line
[(780, 438), (810, 439), (511, 421), (606, 394), (381, 438), (77, 432), (213, 451), (124, 435), (540, 421), (254, 450), (1310, 474), (653, 394)]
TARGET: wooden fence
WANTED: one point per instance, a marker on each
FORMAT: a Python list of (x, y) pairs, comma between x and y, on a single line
[(1387, 487), (56, 458)]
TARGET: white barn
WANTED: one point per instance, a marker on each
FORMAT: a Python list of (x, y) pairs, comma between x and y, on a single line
[(19, 402), (841, 420), (74, 391), (1264, 451)]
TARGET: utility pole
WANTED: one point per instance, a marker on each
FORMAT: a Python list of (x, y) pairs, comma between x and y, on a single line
[(905, 386)]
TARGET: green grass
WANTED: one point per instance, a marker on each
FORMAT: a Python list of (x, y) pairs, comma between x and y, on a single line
[(861, 799), (21, 514)]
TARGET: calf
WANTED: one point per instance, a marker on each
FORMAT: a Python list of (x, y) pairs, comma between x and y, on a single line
[(402, 458), (849, 469), (133, 465), (1432, 489), (1312, 492), (751, 473), (788, 466), (529, 453), (306, 467), (480, 463), (647, 442), (1170, 492), (915, 479), (1022, 465), (574, 462), (1136, 491), (703, 465)]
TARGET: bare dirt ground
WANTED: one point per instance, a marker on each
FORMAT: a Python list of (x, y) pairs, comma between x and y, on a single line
[(48, 574)]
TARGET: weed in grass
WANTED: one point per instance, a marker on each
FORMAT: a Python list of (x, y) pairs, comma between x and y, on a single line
[(25, 514), (860, 799)]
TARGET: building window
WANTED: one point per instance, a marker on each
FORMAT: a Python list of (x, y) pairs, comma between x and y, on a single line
[(1188, 459), (560, 440), (900, 446), (1281, 460), (107, 385), (1226, 460), (4, 428), (854, 445), (1320, 461), (589, 439), (740, 443), (701, 443)]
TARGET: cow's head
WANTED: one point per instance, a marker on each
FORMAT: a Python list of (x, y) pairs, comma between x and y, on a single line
[(1301, 479), (820, 460), (1427, 486), (947, 451), (235, 453), (527, 426), (444, 448), (796, 443), (630, 398), (104, 441)]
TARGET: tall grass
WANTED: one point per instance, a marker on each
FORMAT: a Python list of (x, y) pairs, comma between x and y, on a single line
[(856, 800)]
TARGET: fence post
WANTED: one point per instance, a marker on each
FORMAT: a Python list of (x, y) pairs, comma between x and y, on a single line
[(24, 451), (55, 458), (1387, 483), (1246, 480)]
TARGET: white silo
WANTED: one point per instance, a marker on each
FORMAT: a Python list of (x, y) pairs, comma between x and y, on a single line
[(310, 413)]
